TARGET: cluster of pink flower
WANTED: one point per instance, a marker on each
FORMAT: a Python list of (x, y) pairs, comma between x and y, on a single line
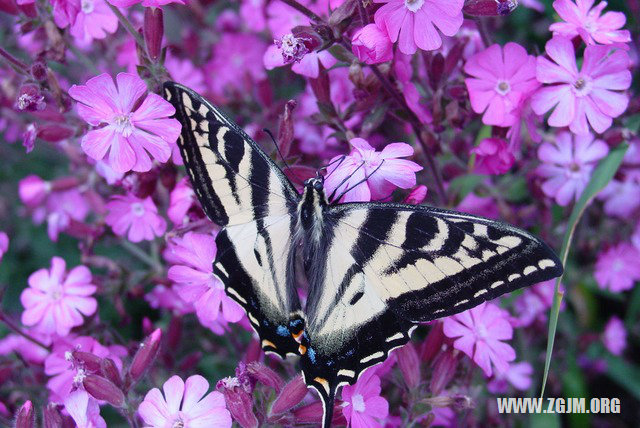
[(364, 75)]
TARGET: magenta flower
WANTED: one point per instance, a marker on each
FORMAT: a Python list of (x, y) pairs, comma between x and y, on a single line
[(55, 300), (621, 196), (27, 350), (94, 21), (59, 211), (252, 12), (67, 373), (363, 405), (183, 71), (576, 96), (484, 206), (479, 332), (84, 410), (184, 404), (65, 12), (137, 218), (181, 199), (4, 244), (534, 303), (129, 136), (403, 70), (166, 297), (568, 164), (412, 23), (307, 65), (581, 20), (193, 256), (371, 45), (33, 190), (378, 173), (617, 268), (145, 3), (493, 156), (518, 375), (614, 336), (501, 78)]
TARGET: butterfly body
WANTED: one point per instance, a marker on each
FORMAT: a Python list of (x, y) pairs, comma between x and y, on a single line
[(373, 271)]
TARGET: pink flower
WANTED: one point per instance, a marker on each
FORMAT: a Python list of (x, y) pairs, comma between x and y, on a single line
[(534, 303), (84, 410), (56, 300), (614, 336), (135, 217), (363, 405), (374, 174), (236, 65), (308, 65), (33, 190), (65, 12), (493, 156), (371, 45), (518, 375), (4, 244), (183, 71), (66, 372), (568, 164), (27, 350), (501, 78), (588, 23), (412, 23), (617, 268), (181, 199), (94, 21), (184, 404), (479, 205), (193, 256), (60, 209), (621, 196), (166, 297), (589, 94), (404, 72), (128, 135), (145, 3), (479, 332), (253, 14)]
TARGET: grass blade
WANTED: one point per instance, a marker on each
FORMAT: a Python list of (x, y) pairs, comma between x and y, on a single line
[(601, 176)]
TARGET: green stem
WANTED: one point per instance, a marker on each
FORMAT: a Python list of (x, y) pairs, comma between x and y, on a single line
[(18, 330), (127, 25), (82, 57), (137, 252), (302, 9)]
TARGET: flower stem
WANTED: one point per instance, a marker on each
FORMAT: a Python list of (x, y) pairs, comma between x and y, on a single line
[(137, 252), (81, 56), (15, 62), (127, 25), (484, 31), (12, 326), (362, 11), (303, 9)]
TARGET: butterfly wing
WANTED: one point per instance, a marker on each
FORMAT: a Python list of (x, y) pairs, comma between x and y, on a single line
[(241, 189), (387, 267)]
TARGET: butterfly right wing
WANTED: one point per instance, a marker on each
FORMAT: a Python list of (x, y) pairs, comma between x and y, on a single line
[(241, 189)]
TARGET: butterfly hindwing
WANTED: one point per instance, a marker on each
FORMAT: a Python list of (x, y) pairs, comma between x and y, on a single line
[(387, 267), (241, 189)]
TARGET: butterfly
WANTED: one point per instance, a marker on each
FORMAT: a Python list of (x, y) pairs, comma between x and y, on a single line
[(372, 271)]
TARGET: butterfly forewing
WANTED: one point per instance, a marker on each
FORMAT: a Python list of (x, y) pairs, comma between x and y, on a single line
[(240, 188)]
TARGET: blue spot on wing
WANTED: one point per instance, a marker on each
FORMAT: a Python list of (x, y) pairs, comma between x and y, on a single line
[(312, 355), (283, 331)]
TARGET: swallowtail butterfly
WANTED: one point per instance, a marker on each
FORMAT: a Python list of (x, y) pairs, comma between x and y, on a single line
[(374, 270)]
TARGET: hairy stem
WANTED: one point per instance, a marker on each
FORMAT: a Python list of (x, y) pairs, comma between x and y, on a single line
[(12, 326), (15, 62)]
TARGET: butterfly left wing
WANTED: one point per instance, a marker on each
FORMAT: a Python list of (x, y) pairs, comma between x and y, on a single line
[(387, 267)]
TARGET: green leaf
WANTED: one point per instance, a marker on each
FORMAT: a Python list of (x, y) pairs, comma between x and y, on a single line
[(624, 374), (544, 420), (465, 184), (601, 176)]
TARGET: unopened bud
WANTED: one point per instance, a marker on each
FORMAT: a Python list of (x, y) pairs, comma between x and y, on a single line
[(110, 371), (285, 128), (143, 359), (89, 361), (417, 195), (190, 362), (433, 343), (265, 376), (32, 190), (444, 369), (239, 402), (489, 7), (103, 389), (26, 417), (53, 133), (153, 30), (290, 396), (38, 70), (310, 414), (409, 365), (51, 417), (64, 183)]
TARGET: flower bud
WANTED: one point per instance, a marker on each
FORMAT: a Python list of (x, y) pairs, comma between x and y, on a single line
[(190, 362), (110, 371), (32, 190), (29, 138), (489, 7), (9, 6), (409, 365), (290, 396), (51, 417), (103, 389), (53, 133), (26, 418), (265, 376), (417, 195), (433, 343), (239, 402), (89, 361), (30, 98), (146, 354), (285, 128), (153, 29), (64, 183), (309, 414), (38, 70), (444, 369), (493, 156), (372, 45)]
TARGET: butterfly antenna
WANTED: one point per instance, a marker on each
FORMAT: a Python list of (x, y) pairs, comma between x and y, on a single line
[(339, 160), (344, 180), (277, 147), (360, 182)]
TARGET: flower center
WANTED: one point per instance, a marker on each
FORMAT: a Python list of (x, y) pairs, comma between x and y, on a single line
[(87, 6), (358, 403), (56, 294), (503, 87), (413, 5), (123, 124), (137, 209), (178, 423), (617, 265), (574, 167), (582, 86), (481, 331), (79, 377), (293, 48)]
